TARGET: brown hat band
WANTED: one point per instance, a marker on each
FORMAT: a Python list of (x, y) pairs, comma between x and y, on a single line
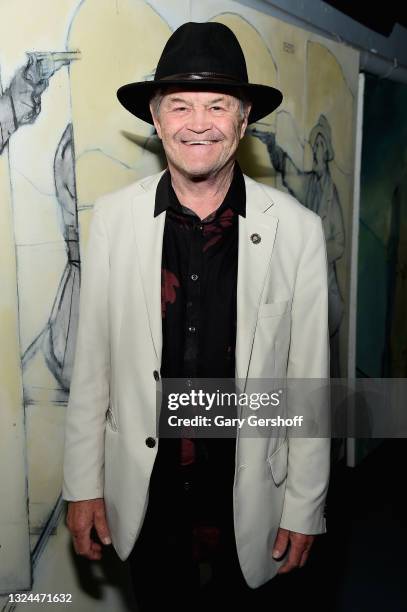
[(194, 76)]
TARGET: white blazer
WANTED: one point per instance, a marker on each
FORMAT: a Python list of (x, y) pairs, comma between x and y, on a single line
[(282, 331)]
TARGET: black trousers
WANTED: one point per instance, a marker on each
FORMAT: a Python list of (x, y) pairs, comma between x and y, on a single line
[(162, 564)]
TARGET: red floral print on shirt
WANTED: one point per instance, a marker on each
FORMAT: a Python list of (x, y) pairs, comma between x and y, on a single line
[(213, 231), (169, 283)]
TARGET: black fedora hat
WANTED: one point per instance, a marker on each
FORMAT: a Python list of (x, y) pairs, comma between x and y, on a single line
[(201, 56)]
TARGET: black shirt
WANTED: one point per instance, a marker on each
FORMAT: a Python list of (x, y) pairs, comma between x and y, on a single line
[(199, 283), (198, 301)]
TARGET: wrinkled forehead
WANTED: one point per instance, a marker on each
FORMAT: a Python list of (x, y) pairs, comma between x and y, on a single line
[(200, 96)]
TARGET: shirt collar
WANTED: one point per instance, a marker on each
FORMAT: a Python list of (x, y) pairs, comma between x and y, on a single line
[(235, 198)]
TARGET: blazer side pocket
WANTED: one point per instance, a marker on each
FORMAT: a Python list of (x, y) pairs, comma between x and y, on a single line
[(278, 462)]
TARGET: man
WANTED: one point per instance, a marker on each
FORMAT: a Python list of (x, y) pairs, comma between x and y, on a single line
[(196, 272)]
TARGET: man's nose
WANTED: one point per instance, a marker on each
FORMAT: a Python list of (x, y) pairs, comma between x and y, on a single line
[(199, 121)]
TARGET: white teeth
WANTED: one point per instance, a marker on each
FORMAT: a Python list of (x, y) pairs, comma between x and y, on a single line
[(201, 142)]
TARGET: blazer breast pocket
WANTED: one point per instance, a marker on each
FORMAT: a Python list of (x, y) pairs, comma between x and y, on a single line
[(274, 309)]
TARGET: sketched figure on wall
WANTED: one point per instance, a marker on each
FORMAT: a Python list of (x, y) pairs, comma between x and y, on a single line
[(317, 190), (21, 101), (57, 339), (20, 104)]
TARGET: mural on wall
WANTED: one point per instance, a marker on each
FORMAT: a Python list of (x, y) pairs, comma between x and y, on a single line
[(382, 264), (20, 104), (59, 161), (67, 141), (316, 189), (56, 340)]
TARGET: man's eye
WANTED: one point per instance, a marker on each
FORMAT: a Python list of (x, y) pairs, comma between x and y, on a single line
[(180, 108), (216, 108)]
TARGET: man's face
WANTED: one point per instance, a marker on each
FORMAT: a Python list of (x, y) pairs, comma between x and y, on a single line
[(200, 130)]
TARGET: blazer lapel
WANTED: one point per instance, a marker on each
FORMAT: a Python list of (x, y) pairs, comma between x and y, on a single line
[(149, 232), (253, 264)]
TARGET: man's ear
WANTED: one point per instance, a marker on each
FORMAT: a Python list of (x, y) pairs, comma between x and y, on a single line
[(243, 127), (156, 122)]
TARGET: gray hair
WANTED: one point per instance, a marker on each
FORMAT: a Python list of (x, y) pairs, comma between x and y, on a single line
[(158, 95)]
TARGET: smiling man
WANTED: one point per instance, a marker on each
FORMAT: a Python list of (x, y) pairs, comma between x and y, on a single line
[(198, 272)]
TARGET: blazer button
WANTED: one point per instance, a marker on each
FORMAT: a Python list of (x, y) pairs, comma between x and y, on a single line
[(150, 442), (156, 375)]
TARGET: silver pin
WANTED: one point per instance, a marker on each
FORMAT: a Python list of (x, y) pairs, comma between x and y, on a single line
[(255, 238)]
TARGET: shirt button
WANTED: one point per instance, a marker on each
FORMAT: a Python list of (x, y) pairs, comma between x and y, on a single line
[(150, 442), (156, 375), (192, 329), (188, 382), (194, 277), (189, 304)]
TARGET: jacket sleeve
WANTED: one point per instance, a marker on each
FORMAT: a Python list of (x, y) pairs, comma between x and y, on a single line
[(83, 466), (309, 458)]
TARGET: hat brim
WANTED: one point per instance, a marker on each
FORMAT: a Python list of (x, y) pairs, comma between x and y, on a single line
[(135, 97)]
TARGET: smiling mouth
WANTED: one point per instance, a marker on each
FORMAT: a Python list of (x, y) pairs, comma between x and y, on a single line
[(199, 142)]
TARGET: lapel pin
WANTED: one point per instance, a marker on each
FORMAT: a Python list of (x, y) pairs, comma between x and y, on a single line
[(255, 238)]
